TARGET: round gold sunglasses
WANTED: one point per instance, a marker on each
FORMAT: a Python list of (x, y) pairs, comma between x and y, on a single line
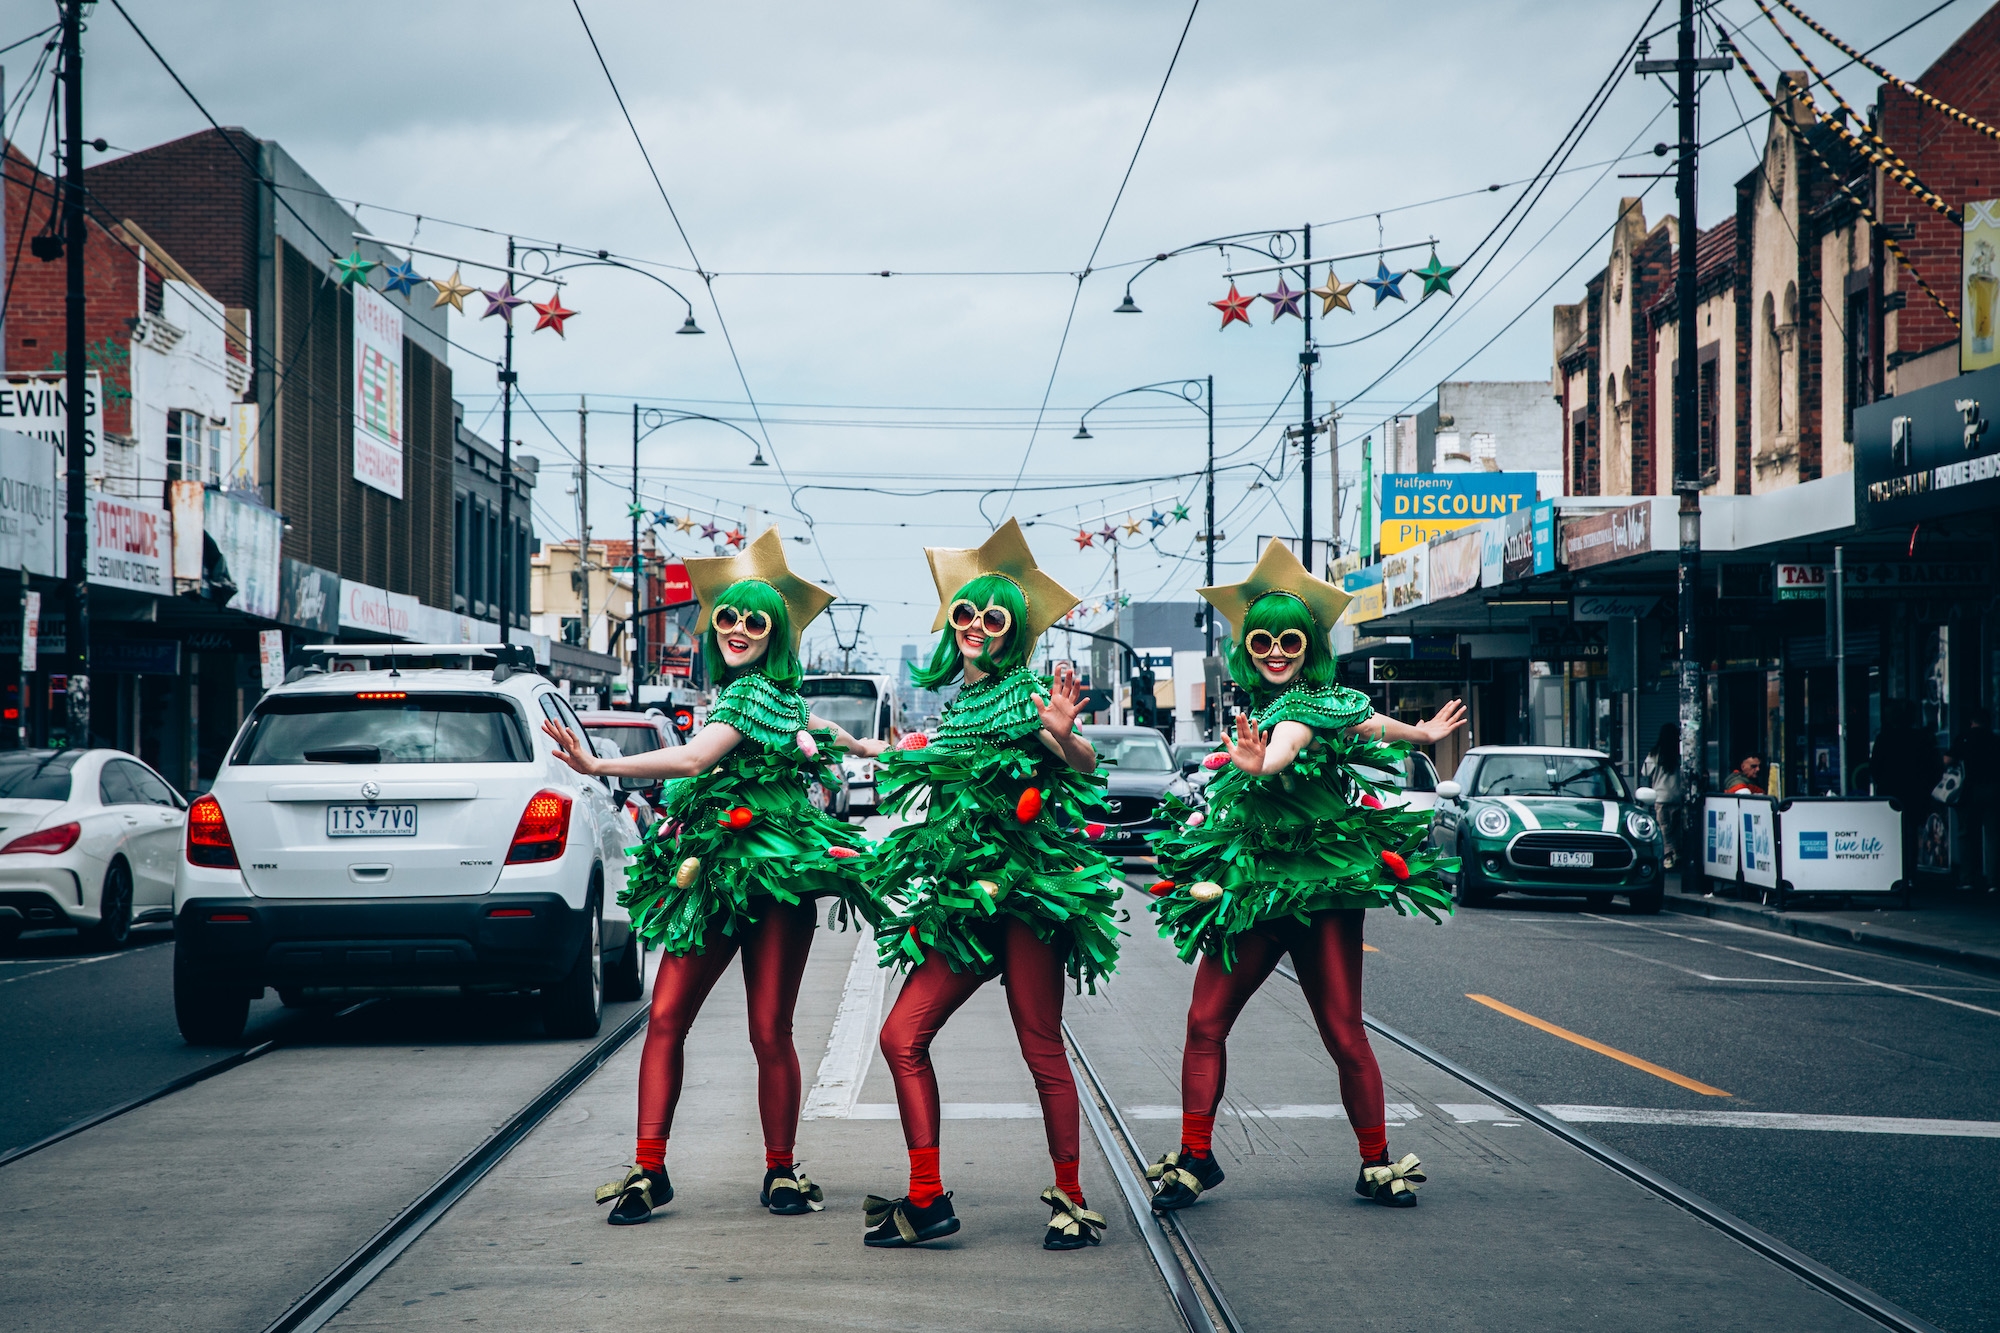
[(1287, 643), (994, 620), (753, 624)]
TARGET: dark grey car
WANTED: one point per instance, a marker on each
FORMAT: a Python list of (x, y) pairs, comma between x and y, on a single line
[(1141, 773)]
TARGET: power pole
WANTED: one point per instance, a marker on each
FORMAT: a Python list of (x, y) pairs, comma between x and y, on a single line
[(507, 470), (1687, 460), (583, 511), (1208, 525), (638, 622), (75, 356), (1307, 358)]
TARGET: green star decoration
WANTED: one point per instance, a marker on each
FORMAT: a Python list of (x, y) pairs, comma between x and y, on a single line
[(1436, 276), (635, 511), (1180, 513), (352, 269)]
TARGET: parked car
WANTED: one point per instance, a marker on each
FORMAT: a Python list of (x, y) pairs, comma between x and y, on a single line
[(1414, 784), (1140, 772), (632, 734), (1187, 758), (371, 831), (88, 838), (1550, 821)]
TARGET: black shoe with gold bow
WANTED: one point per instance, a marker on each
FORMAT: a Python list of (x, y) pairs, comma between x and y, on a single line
[(788, 1193), (1071, 1225), (637, 1194), (893, 1223), (1391, 1183), (1181, 1177)]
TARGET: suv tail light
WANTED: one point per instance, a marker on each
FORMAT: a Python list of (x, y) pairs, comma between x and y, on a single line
[(208, 842), (543, 832), (52, 841)]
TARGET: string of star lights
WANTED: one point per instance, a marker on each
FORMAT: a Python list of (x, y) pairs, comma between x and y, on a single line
[(1129, 526)]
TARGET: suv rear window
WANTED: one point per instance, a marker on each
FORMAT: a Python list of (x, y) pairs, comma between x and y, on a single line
[(630, 740), (36, 775), (413, 729)]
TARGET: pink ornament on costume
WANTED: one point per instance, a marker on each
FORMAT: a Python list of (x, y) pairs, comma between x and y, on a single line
[(1370, 801), (1197, 819), (807, 745), (1219, 759), (916, 740)]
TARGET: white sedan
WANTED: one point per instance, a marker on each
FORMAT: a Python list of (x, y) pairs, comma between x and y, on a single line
[(88, 838)]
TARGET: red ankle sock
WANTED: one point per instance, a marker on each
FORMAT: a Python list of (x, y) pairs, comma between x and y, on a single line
[(925, 1185), (1067, 1182), (777, 1159), (651, 1154), (1374, 1142), (1196, 1131)]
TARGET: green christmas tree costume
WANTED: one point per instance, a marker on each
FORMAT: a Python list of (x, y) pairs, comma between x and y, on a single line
[(784, 852), (980, 763), (1300, 841)]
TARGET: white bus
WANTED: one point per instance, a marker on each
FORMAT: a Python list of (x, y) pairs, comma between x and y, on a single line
[(866, 706)]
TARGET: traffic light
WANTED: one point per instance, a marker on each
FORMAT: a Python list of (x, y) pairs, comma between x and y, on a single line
[(1145, 712)]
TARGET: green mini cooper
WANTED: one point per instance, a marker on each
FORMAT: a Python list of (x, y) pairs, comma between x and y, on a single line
[(1550, 821)]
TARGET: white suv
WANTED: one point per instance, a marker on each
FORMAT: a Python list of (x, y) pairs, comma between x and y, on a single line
[(391, 818)]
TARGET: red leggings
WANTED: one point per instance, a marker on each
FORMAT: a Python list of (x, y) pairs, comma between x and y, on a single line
[(774, 959), (1034, 972), (1327, 956)]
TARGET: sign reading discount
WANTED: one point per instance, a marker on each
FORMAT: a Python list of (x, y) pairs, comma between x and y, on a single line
[(1417, 506)]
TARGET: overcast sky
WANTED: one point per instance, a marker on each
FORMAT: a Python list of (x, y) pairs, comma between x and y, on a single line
[(982, 140)]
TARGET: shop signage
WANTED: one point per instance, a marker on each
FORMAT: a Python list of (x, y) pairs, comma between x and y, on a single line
[(135, 657), (1611, 608), (38, 406), (309, 596), (1542, 518), (1455, 562), (675, 585), (1493, 551), (1798, 583), (1598, 539), (31, 508), (271, 658), (187, 503), (378, 392), (1366, 603), (1980, 263), (248, 536), (1517, 545), (1407, 671), (1406, 580), (130, 545), (31, 631), (376, 610), (214, 641), (1417, 506), (1891, 578), (1570, 643), (1929, 452)]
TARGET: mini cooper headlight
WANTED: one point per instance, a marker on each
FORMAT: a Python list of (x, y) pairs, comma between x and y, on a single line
[(1492, 821), (1641, 827)]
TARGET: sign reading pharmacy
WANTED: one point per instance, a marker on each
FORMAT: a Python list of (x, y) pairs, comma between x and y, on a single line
[(1417, 506)]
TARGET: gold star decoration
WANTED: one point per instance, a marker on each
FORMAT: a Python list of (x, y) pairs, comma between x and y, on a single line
[(452, 291), (684, 524), (1131, 526), (1334, 294)]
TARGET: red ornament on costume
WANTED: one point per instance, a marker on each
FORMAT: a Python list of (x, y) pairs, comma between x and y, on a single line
[(1397, 865), (916, 740), (1093, 830), (841, 853), (1029, 805), (1370, 801), (740, 817), (1219, 759), (1162, 889)]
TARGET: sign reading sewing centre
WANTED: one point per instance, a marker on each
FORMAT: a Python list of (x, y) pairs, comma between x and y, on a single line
[(1417, 506), (130, 545), (378, 392), (38, 406)]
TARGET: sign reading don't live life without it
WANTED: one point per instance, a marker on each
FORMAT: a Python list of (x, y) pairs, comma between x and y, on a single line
[(1417, 506)]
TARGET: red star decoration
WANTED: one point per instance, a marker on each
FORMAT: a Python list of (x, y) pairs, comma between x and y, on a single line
[(733, 537), (1082, 539), (552, 314), (1234, 306), (708, 531)]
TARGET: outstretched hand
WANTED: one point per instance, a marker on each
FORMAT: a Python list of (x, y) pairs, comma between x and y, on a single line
[(1449, 719), (571, 748), (1246, 749), (1059, 710)]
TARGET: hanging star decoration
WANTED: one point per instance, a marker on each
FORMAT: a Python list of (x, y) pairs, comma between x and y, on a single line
[(661, 518), (733, 537), (708, 531), (1157, 519), (1108, 532), (1131, 526), (1234, 306), (1284, 301), (1082, 539), (683, 524), (352, 269), (452, 291), (552, 314), (502, 301), (1436, 276), (1180, 513), (635, 510), (402, 277), (1385, 284), (1333, 296)]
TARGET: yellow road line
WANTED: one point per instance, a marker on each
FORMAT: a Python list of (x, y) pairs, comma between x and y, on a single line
[(1657, 1071), (1369, 948)]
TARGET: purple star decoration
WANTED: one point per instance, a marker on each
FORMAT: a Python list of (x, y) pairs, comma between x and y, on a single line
[(1284, 301), (502, 302)]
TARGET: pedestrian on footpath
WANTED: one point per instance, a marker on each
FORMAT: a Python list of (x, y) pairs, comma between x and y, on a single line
[(1747, 778), (1977, 752), (1294, 846), (1662, 772), (1904, 765), (736, 861), (997, 879)]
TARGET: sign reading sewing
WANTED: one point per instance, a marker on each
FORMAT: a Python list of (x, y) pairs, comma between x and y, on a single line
[(1417, 506), (378, 393), (129, 545)]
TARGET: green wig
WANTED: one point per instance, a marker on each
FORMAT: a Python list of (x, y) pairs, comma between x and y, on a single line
[(1276, 612), (947, 663), (780, 661)]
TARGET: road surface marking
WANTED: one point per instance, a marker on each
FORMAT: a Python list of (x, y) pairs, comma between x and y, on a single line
[(1866, 981), (851, 1044), (1840, 1124), (956, 1111), (1657, 1071), (1308, 1111), (63, 967), (1369, 948), (1799, 940)]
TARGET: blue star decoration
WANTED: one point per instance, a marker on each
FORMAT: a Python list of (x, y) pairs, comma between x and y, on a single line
[(662, 519), (1157, 519), (1284, 301), (403, 278), (1385, 284), (1436, 276)]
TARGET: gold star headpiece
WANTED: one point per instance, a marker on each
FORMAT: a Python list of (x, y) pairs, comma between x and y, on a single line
[(1278, 570), (763, 560), (1004, 553)]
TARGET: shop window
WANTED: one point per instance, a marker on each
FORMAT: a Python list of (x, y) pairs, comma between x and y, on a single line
[(1858, 352), (1708, 413), (187, 446), (572, 630), (458, 547)]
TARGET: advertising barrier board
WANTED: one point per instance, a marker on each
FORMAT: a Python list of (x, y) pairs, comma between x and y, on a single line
[(1720, 822), (1841, 845), (1757, 851)]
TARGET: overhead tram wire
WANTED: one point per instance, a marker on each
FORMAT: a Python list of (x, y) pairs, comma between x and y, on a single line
[(1070, 319)]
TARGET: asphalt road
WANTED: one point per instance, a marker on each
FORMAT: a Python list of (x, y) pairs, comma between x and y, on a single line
[(1780, 1025)]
